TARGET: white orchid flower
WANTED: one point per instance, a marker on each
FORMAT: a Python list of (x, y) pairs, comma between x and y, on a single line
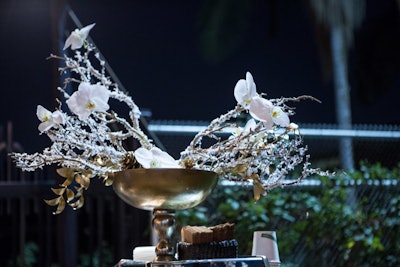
[(279, 117), (245, 90), (88, 98), (263, 110), (78, 37), (155, 158), (250, 126), (260, 109), (49, 119)]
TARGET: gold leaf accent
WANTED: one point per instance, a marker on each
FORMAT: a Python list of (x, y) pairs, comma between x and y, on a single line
[(108, 179), (58, 191), (67, 181), (78, 179), (240, 169), (52, 202), (61, 206), (83, 180), (78, 203), (70, 195), (188, 163), (258, 190), (101, 160), (79, 191), (65, 172), (128, 161), (254, 176), (87, 174)]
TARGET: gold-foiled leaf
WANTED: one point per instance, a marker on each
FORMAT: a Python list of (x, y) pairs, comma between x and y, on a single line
[(240, 169), (52, 202), (65, 172), (79, 191), (258, 190), (100, 160), (108, 182), (67, 181), (61, 206), (58, 191), (70, 195), (81, 201), (254, 176), (87, 174), (188, 163), (128, 161), (78, 179), (83, 180), (78, 203), (73, 204), (108, 179)]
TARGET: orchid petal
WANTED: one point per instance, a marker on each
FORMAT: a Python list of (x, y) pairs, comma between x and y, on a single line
[(45, 126), (245, 90), (42, 113), (279, 117), (268, 124), (73, 41), (240, 92), (250, 126), (260, 109), (48, 118), (251, 84), (58, 117), (155, 158), (85, 30), (78, 37), (143, 156), (165, 160)]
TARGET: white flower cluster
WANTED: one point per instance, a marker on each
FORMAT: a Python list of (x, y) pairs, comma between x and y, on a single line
[(266, 151), (89, 139)]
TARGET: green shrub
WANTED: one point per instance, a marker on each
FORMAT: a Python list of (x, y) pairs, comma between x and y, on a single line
[(351, 219)]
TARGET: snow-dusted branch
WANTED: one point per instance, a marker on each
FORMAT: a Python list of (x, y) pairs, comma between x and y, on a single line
[(89, 137)]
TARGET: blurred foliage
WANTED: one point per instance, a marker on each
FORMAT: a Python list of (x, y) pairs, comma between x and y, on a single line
[(352, 219), (101, 257), (29, 256)]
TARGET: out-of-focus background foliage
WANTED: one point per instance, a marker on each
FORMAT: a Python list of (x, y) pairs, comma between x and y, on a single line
[(349, 220)]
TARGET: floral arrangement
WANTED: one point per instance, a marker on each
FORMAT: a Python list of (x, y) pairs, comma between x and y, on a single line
[(89, 138)]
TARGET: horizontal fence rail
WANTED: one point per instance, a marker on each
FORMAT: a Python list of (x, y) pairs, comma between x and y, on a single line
[(185, 129)]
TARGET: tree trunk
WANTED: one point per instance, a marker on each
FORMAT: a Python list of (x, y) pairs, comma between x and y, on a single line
[(342, 93)]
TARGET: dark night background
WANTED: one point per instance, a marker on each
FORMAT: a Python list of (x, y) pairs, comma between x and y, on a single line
[(166, 56)]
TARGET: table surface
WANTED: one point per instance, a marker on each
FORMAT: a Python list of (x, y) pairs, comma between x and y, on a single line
[(253, 261)]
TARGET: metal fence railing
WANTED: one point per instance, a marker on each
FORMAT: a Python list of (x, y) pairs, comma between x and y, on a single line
[(370, 142)]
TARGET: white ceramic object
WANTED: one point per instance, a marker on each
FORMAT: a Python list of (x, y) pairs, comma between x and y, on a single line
[(265, 243), (145, 253)]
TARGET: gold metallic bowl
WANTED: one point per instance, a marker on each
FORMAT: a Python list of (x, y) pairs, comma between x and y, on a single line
[(175, 189)]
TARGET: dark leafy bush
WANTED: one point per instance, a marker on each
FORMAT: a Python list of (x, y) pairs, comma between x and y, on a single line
[(352, 219)]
